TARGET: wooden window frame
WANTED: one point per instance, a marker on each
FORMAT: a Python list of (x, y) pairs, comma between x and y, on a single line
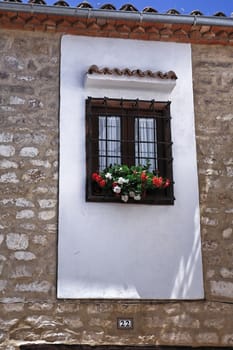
[(128, 110)]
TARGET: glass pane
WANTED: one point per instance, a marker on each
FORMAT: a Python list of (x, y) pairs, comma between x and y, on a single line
[(109, 141), (145, 142)]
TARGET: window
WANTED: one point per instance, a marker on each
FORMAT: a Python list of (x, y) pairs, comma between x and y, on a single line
[(131, 132)]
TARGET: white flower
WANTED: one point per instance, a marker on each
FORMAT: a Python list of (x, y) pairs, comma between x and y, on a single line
[(132, 194), (137, 197), (122, 181), (117, 189), (108, 176), (124, 198)]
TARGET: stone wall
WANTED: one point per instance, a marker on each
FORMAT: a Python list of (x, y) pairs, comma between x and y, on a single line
[(213, 82), (29, 310), (29, 97)]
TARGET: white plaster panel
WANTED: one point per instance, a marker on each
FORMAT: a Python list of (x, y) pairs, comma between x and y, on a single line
[(110, 250)]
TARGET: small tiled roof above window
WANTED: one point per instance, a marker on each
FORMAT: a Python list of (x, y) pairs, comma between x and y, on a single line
[(133, 79), (132, 73)]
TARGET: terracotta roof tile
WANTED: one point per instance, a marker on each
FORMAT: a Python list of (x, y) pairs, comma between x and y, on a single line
[(108, 6), (94, 69), (173, 12), (127, 22), (149, 9), (128, 7), (61, 3), (12, 0), (196, 13), (84, 5), (37, 2), (220, 14)]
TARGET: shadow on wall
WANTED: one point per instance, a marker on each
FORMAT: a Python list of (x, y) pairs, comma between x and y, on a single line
[(186, 269), (125, 276)]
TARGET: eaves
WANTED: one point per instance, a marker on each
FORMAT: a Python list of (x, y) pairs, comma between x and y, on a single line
[(121, 24)]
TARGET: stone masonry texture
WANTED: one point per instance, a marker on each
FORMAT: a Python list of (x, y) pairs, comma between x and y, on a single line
[(30, 313)]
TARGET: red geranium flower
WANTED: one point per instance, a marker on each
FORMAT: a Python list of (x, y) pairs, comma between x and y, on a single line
[(99, 178), (157, 181), (144, 177), (167, 183), (94, 176), (102, 183)]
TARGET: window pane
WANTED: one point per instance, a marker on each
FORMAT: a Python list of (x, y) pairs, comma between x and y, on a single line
[(145, 142), (109, 141)]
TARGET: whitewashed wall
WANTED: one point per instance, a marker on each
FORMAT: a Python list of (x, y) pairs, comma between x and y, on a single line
[(124, 250)]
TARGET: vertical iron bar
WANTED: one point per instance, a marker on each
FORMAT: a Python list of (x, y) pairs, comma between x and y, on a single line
[(106, 134)]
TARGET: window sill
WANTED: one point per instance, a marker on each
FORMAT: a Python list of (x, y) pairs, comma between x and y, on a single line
[(151, 199)]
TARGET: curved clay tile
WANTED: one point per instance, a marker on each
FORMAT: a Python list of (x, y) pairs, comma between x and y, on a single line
[(108, 7), (173, 12), (149, 73), (128, 72), (220, 14), (171, 75), (93, 69), (106, 70), (138, 72), (160, 75), (149, 9), (196, 13), (128, 7), (12, 0), (61, 3), (37, 2), (84, 5)]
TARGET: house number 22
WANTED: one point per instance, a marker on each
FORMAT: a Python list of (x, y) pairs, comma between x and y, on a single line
[(124, 323)]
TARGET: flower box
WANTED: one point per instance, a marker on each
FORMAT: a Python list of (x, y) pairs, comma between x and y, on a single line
[(135, 184)]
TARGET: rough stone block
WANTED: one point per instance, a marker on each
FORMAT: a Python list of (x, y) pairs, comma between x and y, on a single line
[(16, 241), (222, 289), (9, 178), (7, 151), (226, 273), (47, 215), (7, 164), (6, 137), (207, 338), (25, 214), (27, 256), (16, 100), (227, 233), (38, 287), (29, 152), (47, 203), (23, 202), (22, 271), (42, 163)]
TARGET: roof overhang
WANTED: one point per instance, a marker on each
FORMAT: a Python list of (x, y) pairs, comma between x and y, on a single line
[(122, 24)]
